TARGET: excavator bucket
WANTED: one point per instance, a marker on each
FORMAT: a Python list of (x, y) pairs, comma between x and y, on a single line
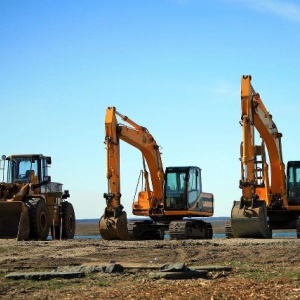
[(250, 222), (14, 220), (114, 228)]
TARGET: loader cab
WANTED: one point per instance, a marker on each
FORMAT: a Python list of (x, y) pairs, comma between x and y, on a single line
[(293, 182), (182, 187), (26, 168)]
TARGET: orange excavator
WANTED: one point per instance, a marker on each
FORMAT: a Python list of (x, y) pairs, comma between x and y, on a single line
[(172, 199), (270, 198)]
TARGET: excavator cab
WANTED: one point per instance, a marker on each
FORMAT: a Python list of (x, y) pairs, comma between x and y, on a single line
[(293, 182), (183, 190), (184, 198), (177, 185)]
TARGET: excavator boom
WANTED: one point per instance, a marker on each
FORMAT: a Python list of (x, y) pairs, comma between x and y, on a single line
[(113, 224)]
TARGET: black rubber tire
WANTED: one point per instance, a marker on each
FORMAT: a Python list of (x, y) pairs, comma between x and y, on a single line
[(38, 219), (68, 221)]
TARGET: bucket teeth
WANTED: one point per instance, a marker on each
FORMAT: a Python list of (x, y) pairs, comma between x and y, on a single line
[(112, 228), (250, 222)]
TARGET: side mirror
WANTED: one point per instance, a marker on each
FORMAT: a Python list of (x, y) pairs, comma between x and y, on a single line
[(48, 160), (47, 179), (66, 194), (4, 157)]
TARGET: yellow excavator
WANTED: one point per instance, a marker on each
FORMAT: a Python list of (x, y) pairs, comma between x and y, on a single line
[(270, 194), (31, 204), (172, 199)]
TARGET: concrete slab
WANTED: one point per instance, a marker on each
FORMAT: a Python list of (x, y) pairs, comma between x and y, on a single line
[(43, 275), (187, 274)]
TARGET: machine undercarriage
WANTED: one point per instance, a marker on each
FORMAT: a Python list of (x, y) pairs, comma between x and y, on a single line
[(177, 230)]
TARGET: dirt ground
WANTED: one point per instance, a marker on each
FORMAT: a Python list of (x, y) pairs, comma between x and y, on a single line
[(261, 269)]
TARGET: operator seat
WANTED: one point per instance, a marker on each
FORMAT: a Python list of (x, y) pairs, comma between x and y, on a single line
[(27, 174)]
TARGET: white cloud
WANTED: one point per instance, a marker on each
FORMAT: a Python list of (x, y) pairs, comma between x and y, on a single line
[(226, 89), (286, 9)]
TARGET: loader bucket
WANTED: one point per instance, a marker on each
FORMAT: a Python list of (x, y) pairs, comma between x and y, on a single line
[(14, 220), (250, 222), (114, 228)]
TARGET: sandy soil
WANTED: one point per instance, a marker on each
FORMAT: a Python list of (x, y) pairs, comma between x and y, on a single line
[(261, 269)]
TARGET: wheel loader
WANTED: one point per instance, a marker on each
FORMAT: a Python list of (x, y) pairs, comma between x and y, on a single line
[(31, 204)]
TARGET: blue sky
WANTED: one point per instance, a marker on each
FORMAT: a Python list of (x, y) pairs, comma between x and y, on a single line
[(173, 66)]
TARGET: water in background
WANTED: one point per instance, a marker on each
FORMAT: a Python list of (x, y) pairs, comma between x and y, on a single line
[(277, 234)]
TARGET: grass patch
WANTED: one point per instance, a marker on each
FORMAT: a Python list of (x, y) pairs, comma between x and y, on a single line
[(87, 228), (262, 273), (102, 282)]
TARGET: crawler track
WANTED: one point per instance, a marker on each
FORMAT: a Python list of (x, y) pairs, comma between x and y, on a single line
[(196, 229)]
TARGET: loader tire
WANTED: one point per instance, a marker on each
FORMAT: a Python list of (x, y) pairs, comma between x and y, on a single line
[(68, 221), (38, 219)]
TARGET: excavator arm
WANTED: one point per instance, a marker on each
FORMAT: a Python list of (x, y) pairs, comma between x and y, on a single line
[(256, 116), (249, 217), (267, 201), (140, 138), (113, 224)]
